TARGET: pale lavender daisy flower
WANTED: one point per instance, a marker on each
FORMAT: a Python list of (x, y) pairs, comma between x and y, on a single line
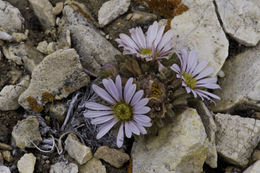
[(127, 107), (154, 45), (195, 75)]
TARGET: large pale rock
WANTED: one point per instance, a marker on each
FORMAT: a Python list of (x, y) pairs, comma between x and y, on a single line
[(255, 168), (77, 150), (59, 74), (210, 128), (62, 167), (10, 93), (93, 48), (236, 137), (241, 19), (10, 17), (4, 169), (26, 163), (111, 9), (198, 28), (114, 157), (241, 84), (180, 147), (93, 166), (27, 131), (43, 10), (23, 54)]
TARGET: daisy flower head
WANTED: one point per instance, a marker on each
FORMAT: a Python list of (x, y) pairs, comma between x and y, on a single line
[(195, 75), (154, 45), (126, 107)]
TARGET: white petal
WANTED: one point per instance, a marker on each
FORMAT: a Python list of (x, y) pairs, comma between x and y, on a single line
[(128, 131), (101, 120), (105, 128), (130, 93), (103, 94), (120, 136), (119, 86), (140, 127), (141, 110), (93, 114), (97, 106), (138, 95), (133, 128), (111, 88)]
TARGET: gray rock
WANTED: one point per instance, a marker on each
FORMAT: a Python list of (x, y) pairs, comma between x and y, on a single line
[(4, 169), (5, 36), (26, 163), (180, 147), (111, 9), (42, 47), (236, 137), (7, 156), (58, 8), (18, 37), (198, 28), (93, 166), (256, 155), (62, 167), (23, 54), (141, 17), (43, 10), (58, 111), (4, 146), (27, 131), (241, 20), (77, 150), (255, 168), (93, 48), (114, 157), (241, 84), (10, 13), (210, 128), (10, 93), (58, 75)]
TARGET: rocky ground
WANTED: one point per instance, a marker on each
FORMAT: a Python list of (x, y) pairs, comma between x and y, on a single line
[(46, 44)]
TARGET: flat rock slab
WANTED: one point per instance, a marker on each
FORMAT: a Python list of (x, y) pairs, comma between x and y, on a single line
[(255, 168), (236, 137), (10, 18), (198, 28), (27, 131), (93, 166), (58, 75), (62, 167), (180, 147), (26, 163), (241, 84), (241, 20)]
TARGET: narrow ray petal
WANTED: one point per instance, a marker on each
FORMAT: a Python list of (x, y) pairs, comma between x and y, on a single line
[(105, 128)]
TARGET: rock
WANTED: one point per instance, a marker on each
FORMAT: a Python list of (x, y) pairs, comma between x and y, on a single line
[(142, 17), (43, 10), (198, 28), (255, 168), (93, 48), (77, 150), (26, 163), (236, 137), (114, 157), (5, 36), (4, 169), (256, 155), (93, 166), (241, 20), (7, 156), (58, 8), (26, 131), (180, 147), (232, 169), (42, 47), (4, 146), (1, 159), (111, 9), (49, 79), (23, 54), (10, 13), (52, 47), (62, 167), (10, 93), (210, 128), (241, 85), (18, 37), (58, 111)]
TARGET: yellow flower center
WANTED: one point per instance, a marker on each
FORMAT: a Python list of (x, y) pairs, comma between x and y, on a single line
[(189, 80), (145, 51), (157, 90), (123, 111)]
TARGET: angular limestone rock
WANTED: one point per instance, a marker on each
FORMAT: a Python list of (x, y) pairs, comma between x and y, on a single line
[(111, 9), (77, 150), (255, 168), (62, 167), (10, 18), (241, 20), (114, 157), (4, 169), (93, 166), (27, 131), (43, 10), (236, 137), (180, 147), (241, 84), (198, 28), (58, 75), (26, 163)]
